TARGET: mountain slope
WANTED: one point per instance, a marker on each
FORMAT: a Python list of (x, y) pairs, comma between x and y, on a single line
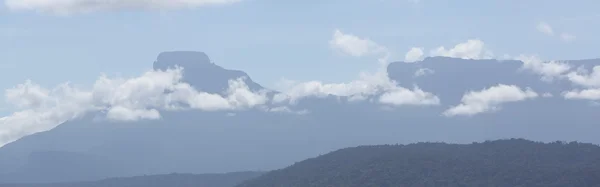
[(178, 180), (195, 141), (514, 162)]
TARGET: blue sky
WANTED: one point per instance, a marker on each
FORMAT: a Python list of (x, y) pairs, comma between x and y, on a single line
[(272, 39)]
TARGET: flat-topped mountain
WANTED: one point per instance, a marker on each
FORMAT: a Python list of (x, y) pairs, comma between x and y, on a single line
[(200, 72), (195, 141)]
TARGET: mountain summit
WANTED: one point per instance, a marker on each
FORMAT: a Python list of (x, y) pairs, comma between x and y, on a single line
[(200, 72), (198, 141)]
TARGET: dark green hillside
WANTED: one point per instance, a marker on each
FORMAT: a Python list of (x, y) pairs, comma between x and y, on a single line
[(514, 162)]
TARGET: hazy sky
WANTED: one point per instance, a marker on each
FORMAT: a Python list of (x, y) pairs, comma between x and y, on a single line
[(52, 41)]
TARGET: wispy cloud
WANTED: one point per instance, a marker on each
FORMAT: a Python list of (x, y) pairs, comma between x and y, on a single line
[(545, 28), (567, 37)]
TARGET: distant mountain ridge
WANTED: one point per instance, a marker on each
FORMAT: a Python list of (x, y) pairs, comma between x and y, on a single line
[(175, 180), (218, 142)]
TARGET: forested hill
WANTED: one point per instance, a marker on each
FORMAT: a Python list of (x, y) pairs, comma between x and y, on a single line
[(513, 162), (171, 180)]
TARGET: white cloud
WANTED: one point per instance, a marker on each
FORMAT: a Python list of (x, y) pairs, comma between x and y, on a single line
[(188, 96), (403, 96), (588, 94), (545, 28), (41, 109), (490, 99), (240, 96), (123, 100), (567, 37), (423, 71), (27, 95), (471, 49), (414, 54), (354, 45), (590, 80), (548, 70), (583, 78), (81, 6), (366, 86)]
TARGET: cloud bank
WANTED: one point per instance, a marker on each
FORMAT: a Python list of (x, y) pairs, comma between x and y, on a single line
[(82, 6), (143, 97), (121, 99)]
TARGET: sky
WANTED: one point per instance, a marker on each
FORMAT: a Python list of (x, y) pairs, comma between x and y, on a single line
[(50, 42)]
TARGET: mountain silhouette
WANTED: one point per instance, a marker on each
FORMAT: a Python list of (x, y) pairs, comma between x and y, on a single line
[(200, 72), (193, 141), (175, 179)]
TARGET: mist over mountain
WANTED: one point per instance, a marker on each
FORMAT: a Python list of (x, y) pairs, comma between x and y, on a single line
[(264, 137)]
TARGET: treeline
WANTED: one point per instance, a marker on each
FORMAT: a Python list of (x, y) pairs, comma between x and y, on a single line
[(514, 162)]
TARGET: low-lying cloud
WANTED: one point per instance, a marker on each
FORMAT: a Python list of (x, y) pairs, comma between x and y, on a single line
[(549, 70), (121, 99), (588, 80), (470, 49), (367, 85), (490, 99)]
